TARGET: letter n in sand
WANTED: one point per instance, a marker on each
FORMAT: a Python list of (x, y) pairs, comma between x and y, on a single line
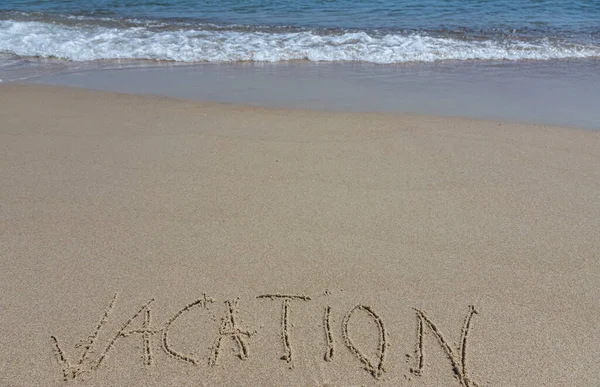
[(458, 359)]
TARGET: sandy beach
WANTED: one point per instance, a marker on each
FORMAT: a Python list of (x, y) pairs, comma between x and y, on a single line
[(153, 241)]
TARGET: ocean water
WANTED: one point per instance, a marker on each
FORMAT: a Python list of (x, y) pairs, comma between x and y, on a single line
[(63, 32)]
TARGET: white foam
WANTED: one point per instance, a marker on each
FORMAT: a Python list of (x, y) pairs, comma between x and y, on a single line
[(90, 42)]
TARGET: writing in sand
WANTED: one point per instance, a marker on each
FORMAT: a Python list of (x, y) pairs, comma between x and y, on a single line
[(140, 326)]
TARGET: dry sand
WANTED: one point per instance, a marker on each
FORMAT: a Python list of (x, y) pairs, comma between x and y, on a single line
[(420, 251)]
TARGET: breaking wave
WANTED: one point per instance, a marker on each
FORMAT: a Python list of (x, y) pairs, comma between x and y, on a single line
[(102, 39)]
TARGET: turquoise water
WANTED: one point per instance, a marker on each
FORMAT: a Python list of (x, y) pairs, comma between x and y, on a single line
[(541, 16), (380, 31)]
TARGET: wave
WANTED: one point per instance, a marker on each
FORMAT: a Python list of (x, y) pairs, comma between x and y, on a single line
[(102, 40)]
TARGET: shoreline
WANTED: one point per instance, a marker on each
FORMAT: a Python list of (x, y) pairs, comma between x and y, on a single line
[(150, 240), (559, 93), (241, 108)]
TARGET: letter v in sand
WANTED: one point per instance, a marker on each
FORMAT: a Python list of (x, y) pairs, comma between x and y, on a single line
[(70, 371)]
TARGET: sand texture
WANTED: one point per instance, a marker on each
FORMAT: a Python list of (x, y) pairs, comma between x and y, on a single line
[(146, 241)]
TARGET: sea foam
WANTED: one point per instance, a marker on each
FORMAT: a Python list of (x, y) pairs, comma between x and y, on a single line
[(187, 43)]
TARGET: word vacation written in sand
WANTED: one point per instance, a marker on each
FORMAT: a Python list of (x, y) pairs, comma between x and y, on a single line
[(231, 331)]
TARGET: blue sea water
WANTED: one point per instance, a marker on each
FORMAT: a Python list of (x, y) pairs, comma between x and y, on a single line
[(375, 31), (542, 16)]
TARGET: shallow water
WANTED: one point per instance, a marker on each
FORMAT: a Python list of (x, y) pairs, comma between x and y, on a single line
[(557, 93)]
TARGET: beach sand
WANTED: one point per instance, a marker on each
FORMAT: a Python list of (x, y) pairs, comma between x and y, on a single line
[(152, 241)]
